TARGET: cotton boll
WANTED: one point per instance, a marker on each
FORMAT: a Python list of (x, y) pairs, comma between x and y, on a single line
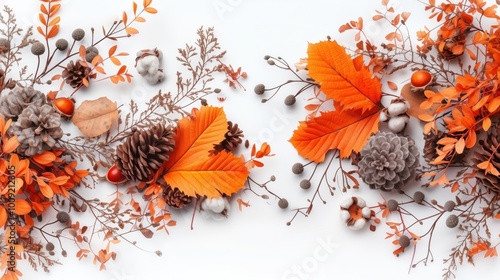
[(397, 124), (215, 208), (359, 224), (148, 65), (397, 108)]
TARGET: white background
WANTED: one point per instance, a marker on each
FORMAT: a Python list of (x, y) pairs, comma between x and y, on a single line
[(254, 243)]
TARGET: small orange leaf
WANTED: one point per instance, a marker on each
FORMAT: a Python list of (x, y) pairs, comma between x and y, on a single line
[(45, 158), (131, 31), (22, 207), (53, 31), (10, 145), (151, 10), (124, 18), (55, 21), (112, 50)]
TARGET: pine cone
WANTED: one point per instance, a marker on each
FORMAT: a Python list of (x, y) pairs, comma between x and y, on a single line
[(144, 152), (175, 198), (388, 161), (488, 151), (37, 129), (233, 138), (431, 145), (13, 104), (74, 73)]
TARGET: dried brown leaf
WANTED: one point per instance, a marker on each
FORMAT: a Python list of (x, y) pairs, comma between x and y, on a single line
[(95, 117)]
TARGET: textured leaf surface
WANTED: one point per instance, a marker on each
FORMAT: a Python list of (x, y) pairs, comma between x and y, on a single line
[(192, 169), (95, 117), (341, 79), (346, 131)]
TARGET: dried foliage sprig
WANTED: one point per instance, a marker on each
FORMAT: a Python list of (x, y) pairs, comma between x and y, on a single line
[(38, 162), (452, 90)]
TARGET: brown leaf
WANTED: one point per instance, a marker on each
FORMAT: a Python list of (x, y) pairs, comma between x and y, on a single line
[(415, 99), (95, 117), (146, 232)]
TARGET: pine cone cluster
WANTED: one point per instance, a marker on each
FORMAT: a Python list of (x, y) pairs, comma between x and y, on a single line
[(388, 161), (37, 129), (18, 99), (144, 152), (175, 198), (74, 73), (233, 137), (488, 150)]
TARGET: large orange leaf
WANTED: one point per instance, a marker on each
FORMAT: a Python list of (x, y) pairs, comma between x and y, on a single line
[(346, 131), (192, 169), (351, 84)]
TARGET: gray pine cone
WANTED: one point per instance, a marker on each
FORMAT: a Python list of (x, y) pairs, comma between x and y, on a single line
[(388, 161), (37, 129), (13, 104)]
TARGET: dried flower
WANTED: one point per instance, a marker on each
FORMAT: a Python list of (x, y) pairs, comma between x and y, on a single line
[(298, 168), (452, 221), (419, 197), (259, 89), (63, 217), (37, 48), (388, 161), (305, 184), (354, 212), (392, 205), (148, 63), (290, 100), (78, 34), (283, 203), (62, 44)]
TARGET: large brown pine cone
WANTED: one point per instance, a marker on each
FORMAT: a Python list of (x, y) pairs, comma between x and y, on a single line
[(233, 137), (175, 198), (488, 150), (74, 73), (144, 152)]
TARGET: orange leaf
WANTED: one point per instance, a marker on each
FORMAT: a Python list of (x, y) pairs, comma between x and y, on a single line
[(131, 31), (55, 21), (151, 10), (45, 189), (124, 18), (3, 216), (112, 50), (334, 130), (10, 145), (22, 207), (333, 68), (53, 31), (191, 169), (95, 117), (42, 19), (45, 158)]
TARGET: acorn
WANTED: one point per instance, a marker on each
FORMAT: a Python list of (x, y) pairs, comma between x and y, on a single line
[(114, 176), (64, 106), (420, 80)]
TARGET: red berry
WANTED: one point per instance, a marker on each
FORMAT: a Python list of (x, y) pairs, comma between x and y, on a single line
[(114, 176)]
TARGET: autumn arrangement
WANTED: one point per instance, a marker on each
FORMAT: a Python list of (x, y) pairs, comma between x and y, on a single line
[(363, 102), (164, 157)]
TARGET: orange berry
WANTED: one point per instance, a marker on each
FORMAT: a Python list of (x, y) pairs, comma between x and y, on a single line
[(65, 106), (421, 79)]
